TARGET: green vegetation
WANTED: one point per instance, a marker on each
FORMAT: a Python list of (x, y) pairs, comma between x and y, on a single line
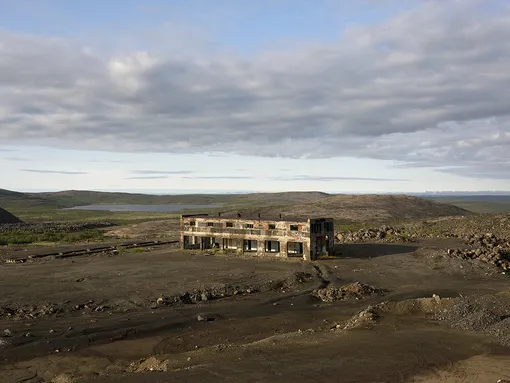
[(59, 215), (25, 237), (343, 226), (123, 250)]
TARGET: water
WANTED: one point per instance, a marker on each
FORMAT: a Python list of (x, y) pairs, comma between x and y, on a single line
[(172, 208)]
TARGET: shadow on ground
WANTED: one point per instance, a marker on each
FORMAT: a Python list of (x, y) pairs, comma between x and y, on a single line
[(370, 250)]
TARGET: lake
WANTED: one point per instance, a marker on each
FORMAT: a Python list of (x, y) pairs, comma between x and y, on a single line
[(145, 208)]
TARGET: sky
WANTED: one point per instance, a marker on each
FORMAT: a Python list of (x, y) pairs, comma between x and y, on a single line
[(176, 96)]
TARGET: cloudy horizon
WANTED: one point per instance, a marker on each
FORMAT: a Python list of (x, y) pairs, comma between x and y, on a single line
[(381, 96)]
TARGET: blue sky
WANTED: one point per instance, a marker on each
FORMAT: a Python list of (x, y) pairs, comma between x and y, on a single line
[(338, 96)]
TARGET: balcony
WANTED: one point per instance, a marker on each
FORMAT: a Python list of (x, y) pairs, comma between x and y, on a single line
[(234, 231)]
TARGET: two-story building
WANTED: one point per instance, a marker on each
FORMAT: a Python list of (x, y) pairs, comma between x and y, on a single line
[(306, 238)]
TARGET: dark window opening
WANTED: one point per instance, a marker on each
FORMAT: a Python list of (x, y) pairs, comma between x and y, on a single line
[(210, 224), (192, 223), (250, 245), (230, 224), (272, 247), (249, 226), (272, 226), (295, 248), (294, 227)]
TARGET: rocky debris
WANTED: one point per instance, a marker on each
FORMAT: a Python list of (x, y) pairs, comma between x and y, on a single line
[(47, 310), (52, 227), (356, 290), (489, 315), (188, 297), (487, 240), (364, 318), (228, 290), (7, 333), (492, 250), (63, 378), (501, 331), (382, 234)]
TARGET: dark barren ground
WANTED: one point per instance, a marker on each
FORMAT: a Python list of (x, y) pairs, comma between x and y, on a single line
[(108, 327)]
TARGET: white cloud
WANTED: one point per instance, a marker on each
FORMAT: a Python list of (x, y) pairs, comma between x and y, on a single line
[(429, 87)]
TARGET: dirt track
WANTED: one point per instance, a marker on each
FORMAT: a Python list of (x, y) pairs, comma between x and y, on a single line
[(268, 327)]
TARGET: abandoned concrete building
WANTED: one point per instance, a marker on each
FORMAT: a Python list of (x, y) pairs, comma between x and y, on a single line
[(280, 237)]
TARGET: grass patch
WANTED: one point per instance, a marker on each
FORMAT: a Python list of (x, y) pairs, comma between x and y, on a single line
[(61, 215), (342, 226), (123, 250), (25, 238)]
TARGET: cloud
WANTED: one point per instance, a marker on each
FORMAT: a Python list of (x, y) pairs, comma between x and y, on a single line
[(219, 178), (427, 87), (111, 161), (16, 159), (332, 179), (64, 172), (146, 178), (168, 172)]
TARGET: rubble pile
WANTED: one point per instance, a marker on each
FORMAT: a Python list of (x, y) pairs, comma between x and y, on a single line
[(356, 290), (488, 240), (383, 233), (498, 224), (485, 314), (492, 250), (47, 310)]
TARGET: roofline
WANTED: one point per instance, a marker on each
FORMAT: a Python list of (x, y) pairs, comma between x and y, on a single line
[(251, 218)]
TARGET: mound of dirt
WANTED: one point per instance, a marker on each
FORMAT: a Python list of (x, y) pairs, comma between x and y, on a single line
[(370, 315), (356, 290), (364, 318), (6, 217)]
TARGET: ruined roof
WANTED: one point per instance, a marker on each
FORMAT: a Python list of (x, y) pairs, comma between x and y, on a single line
[(249, 217)]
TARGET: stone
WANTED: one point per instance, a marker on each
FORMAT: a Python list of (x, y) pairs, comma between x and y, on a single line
[(7, 333), (161, 301), (204, 318)]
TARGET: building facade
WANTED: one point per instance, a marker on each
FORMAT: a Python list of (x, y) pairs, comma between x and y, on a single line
[(308, 239)]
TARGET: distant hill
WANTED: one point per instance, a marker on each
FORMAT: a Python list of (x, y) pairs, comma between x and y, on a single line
[(6, 217), (12, 200), (72, 198), (295, 204), (362, 208)]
